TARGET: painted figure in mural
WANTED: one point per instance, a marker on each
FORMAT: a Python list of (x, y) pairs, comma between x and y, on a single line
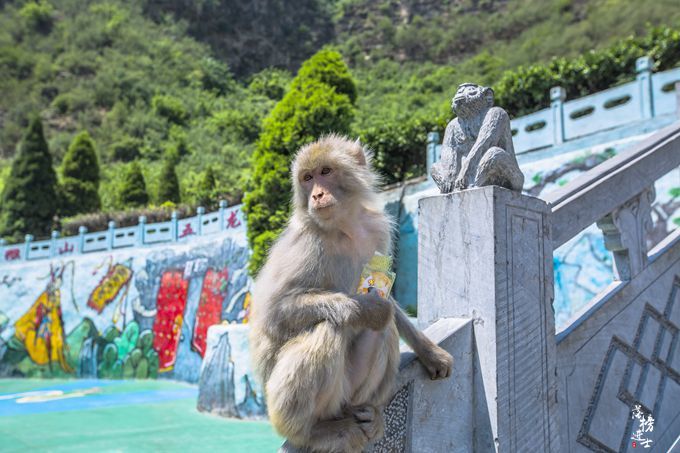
[(477, 149), (327, 356), (117, 278), (41, 328)]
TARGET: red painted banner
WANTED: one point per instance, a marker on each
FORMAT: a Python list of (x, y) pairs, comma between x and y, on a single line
[(167, 327), (209, 306)]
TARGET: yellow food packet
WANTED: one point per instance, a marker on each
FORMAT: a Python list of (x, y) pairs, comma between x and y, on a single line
[(377, 275)]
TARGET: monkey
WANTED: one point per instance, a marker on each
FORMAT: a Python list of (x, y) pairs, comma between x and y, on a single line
[(477, 148), (327, 357)]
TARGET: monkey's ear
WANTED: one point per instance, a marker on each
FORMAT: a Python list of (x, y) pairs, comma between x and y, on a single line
[(488, 95), (358, 153)]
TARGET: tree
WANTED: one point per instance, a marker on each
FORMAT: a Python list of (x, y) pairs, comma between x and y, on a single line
[(206, 188), (29, 198), (320, 101), (168, 189), (133, 188), (80, 177)]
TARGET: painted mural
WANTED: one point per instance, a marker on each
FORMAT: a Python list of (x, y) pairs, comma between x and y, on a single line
[(132, 313)]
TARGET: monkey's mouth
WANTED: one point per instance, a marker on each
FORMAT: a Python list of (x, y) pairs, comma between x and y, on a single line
[(323, 207)]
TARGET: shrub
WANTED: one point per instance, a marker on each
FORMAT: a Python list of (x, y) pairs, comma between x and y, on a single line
[(170, 108), (168, 187), (80, 177)]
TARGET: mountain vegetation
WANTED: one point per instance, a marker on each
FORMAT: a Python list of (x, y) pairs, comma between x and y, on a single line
[(211, 83)]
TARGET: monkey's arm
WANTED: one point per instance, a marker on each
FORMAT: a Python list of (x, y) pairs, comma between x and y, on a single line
[(444, 171), (311, 307), (490, 134), (436, 360)]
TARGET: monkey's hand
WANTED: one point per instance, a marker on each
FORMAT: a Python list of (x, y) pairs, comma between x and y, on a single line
[(437, 361), (375, 312)]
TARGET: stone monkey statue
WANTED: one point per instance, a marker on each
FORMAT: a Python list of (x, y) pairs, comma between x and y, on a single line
[(327, 357), (477, 148)]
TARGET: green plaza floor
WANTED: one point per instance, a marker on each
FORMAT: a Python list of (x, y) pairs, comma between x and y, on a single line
[(135, 416)]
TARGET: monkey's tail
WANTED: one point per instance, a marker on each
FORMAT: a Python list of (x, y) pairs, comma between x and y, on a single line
[(308, 383)]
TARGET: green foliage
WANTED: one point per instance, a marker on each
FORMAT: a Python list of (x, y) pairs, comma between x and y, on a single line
[(206, 188), (133, 187), (38, 15), (80, 177), (271, 83), (29, 198), (170, 108), (320, 101), (526, 89), (169, 184)]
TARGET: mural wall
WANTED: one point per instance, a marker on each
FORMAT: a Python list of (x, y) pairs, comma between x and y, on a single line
[(131, 313)]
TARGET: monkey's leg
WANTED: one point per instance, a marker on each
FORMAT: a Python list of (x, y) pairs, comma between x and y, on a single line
[(309, 387), (499, 167)]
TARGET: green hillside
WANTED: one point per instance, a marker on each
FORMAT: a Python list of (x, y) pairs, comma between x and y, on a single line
[(195, 79)]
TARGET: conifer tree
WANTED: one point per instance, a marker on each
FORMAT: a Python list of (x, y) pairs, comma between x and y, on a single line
[(206, 187), (321, 100), (29, 198), (168, 188), (80, 177), (133, 188)]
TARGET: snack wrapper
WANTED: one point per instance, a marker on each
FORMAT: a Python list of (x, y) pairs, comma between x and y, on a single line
[(377, 275)]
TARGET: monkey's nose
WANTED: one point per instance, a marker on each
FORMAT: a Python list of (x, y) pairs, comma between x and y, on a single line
[(317, 196)]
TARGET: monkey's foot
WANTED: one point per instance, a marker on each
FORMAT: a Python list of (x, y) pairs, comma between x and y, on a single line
[(370, 420)]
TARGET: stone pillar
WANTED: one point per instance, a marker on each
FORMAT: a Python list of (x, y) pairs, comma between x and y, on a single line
[(643, 69), (432, 155), (557, 97), (82, 231), (53, 243), (141, 230), (111, 235), (174, 226), (27, 246), (486, 254), (200, 211)]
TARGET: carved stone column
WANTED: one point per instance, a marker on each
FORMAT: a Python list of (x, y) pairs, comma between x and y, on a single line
[(625, 234), (486, 254)]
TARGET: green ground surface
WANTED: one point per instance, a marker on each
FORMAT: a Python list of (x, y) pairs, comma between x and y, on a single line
[(95, 416)]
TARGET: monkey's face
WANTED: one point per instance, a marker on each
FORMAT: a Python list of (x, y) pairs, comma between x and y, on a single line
[(471, 99), (322, 190), (330, 178)]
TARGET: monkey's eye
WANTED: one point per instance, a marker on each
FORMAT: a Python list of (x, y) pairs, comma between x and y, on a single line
[(325, 170), (307, 177)]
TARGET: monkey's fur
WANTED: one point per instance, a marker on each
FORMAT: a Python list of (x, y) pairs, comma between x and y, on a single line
[(326, 356)]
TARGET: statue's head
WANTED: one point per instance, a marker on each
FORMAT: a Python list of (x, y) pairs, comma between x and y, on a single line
[(471, 99)]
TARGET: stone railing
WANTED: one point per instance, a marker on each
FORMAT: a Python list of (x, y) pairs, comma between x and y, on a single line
[(621, 350), (650, 96), (485, 262), (226, 218)]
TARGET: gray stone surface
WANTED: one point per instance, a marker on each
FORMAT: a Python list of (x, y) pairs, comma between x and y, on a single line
[(623, 350), (485, 254), (477, 149)]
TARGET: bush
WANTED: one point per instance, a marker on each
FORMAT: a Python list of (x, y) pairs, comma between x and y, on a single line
[(168, 187), (38, 15), (170, 108), (320, 101)]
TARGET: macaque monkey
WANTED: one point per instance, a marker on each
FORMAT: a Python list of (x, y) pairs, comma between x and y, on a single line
[(326, 356)]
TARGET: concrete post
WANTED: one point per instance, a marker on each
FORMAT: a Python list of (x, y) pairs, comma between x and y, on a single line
[(643, 69), (174, 226), (111, 235), (200, 211), (82, 230), (223, 210), (141, 230), (677, 99), (27, 246), (53, 243), (557, 97), (432, 155), (486, 254)]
